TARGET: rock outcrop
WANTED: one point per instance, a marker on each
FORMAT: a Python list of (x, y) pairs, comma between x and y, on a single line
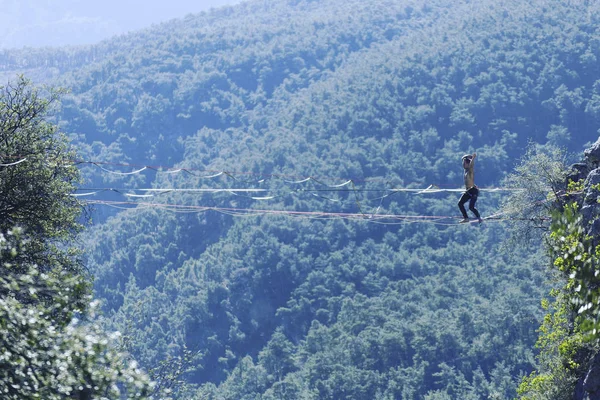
[(588, 386)]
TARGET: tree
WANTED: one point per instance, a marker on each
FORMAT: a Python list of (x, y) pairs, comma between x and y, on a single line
[(48, 351), (540, 186), (37, 177), (569, 329), (51, 348), (277, 356)]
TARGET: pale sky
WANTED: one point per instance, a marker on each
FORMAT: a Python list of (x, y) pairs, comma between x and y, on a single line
[(37, 23)]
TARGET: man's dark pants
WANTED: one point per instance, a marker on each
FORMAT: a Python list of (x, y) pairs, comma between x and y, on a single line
[(470, 196)]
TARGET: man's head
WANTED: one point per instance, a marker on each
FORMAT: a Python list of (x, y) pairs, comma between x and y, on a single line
[(466, 160)]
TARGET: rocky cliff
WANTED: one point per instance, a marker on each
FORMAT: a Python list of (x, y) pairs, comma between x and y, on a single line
[(588, 385)]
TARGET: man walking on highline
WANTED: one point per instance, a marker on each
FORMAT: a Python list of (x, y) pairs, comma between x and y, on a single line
[(468, 162)]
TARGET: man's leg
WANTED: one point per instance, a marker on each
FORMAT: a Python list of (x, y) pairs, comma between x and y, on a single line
[(461, 204), (472, 202)]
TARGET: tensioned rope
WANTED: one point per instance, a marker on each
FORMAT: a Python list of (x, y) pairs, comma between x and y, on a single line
[(264, 190), (266, 194), (239, 212), (13, 163), (200, 173), (384, 219), (211, 174)]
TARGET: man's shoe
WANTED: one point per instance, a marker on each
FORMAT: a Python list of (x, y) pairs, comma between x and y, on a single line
[(464, 220)]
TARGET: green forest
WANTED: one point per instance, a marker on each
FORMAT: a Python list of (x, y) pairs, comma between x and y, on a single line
[(213, 188)]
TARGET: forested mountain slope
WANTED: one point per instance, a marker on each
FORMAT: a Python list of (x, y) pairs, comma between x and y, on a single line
[(387, 93)]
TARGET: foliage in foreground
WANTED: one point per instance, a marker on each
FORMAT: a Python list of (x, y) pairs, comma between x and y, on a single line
[(50, 350), (570, 332), (37, 178)]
